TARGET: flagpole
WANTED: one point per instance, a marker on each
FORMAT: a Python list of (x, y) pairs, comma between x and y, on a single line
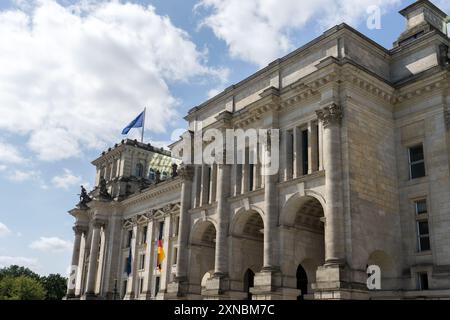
[(143, 125)]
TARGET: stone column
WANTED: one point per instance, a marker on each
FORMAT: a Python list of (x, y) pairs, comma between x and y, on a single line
[(93, 263), (149, 263), (223, 190), (79, 230), (270, 217), (334, 225), (312, 147), (205, 185), (298, 152), (186, 174)]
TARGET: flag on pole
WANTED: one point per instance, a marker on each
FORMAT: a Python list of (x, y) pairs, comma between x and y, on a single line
[(161, 254), (129, 263), (138, 122)]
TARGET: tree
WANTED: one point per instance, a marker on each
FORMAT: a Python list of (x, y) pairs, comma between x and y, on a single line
[(55, 285), (16, 271), (21, 288)]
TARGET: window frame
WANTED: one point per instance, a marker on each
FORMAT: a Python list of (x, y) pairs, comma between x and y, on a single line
[(412, 163), (421, 217)]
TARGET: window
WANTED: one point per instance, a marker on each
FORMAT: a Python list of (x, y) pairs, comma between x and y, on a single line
[(124, 288), (125, 265), (422, 279), (416, 162), (141, 285), (141, 261), (176, 226), (305, 151), (129, 237), (156, 285), (161, 230), (151, 175), (139, 171), (144, 235), (423, 232), (175, 255), (251, 176)]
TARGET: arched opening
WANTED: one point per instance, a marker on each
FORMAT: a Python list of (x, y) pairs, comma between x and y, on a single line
[(302, 282), (247, 250), (303, 243), (249, 278), (203, 244)]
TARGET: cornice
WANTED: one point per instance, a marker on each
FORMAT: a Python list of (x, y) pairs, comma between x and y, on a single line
[(437, 81), (153, 192), (144, 217)]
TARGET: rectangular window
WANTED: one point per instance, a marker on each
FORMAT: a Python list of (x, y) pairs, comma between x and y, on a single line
[(144, 235), (124, 288), (290, 159), (156, 285), (416, 162), (423, 232), (251, 176), (305, 151), (422, 281), (129, 237), (161, 230), (176, 226), (141, 285), (141, 261), (175, 255)]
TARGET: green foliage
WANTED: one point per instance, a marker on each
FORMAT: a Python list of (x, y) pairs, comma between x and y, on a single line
[(21, 288), (55, 285), (20, 283), (16, 271)]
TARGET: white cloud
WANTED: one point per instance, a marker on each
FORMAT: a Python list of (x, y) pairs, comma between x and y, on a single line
[(66, 180), (4, 230), (51, 244), (32, 263), (24, 175), (2, 167), (259, 31), (10, 154), (73, 77)]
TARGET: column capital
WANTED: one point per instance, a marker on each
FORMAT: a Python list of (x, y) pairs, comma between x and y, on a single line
[(98, 223), (186, 172), (330, 114), (78, 229)]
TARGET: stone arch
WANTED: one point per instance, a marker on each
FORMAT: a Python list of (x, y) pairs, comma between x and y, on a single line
[(202, 247), (387, 268), (247, 247), (292, 205), (206, 277), (302, 238), (241, 215)]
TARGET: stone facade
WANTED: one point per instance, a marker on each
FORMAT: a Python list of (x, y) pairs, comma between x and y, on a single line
[(363, 180)]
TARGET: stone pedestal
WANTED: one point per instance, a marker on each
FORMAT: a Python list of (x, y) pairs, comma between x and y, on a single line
[(268, 286), (338, 282), (178, 290)]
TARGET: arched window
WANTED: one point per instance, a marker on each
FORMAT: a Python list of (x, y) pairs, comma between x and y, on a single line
[(139, 170)]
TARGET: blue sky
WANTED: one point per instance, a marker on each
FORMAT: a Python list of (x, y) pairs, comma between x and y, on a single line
[(74, 73)]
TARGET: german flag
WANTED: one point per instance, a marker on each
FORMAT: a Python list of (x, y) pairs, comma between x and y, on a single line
[(161, 254)]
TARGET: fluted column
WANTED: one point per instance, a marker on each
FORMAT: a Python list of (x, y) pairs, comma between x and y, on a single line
[(223, 190), (75, 258), (93, 263), (270, 216), (334, 221), (186, 173)]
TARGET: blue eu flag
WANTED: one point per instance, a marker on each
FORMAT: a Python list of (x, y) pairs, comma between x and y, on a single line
[(138, 122)]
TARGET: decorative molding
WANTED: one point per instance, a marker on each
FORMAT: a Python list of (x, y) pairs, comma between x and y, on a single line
[(330, 114)]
